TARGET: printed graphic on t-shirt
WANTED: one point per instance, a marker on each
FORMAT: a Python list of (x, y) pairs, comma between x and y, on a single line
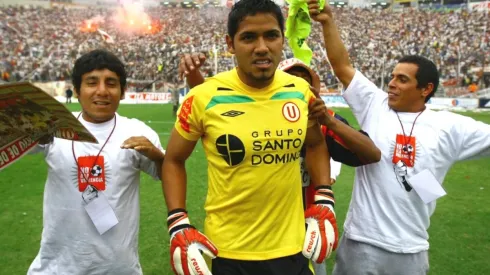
[(91, 171), (404, 155), (405, 150)]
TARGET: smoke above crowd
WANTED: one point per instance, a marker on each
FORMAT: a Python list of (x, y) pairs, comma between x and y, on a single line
[(129, 17)]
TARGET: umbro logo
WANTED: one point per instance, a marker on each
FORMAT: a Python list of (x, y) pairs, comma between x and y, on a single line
[(233, 113)]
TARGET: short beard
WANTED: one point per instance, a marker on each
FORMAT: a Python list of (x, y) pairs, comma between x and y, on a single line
[(262, 78)]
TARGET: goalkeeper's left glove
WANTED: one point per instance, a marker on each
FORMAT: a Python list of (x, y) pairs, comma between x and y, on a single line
[(187, 244), (321, 232)]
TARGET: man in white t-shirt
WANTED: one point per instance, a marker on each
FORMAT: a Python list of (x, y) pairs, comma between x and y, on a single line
[(385, 231), (85, 177)]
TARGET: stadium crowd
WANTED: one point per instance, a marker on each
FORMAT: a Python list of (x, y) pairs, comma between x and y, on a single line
[(42, 44)]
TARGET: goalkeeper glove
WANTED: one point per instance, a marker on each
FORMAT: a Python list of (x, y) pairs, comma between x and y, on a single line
[(321, 232), (186, 245)]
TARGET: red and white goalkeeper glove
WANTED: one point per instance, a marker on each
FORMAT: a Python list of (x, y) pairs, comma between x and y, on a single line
[(186, 245), (321, 232)]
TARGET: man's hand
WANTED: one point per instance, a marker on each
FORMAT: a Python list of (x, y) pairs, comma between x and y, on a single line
[(187, 244), (190, 63), (143, 146), (319, 111), (315, 91), (46, 139), (321, 233), (322, 16)]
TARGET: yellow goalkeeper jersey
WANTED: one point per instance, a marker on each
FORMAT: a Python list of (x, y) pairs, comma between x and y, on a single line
[(252, 139)]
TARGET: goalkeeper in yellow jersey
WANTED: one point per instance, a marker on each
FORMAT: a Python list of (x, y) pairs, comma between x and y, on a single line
[(346, 145), (252, 121)]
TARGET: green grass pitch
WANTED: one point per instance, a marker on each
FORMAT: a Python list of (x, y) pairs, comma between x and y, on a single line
[(459, 232)]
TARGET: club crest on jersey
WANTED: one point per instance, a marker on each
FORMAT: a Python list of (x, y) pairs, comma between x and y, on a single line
[(290, 111)]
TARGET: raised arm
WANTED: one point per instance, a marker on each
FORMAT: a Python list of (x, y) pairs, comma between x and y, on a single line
[(336, 51)]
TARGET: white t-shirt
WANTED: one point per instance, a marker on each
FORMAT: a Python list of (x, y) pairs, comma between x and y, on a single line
[(382, 213), (70, 243)]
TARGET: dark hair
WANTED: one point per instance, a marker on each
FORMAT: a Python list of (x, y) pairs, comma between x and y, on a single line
[(98, 60), (244, 8), (426, 73)]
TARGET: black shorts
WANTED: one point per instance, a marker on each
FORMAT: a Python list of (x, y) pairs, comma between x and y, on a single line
[(291, 265)]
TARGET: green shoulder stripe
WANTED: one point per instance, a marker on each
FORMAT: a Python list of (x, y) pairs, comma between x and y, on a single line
[(288, 95), (228, 99)]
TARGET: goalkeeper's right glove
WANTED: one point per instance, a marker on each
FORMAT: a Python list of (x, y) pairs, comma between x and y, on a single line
[(186, 245), (321, 232)]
